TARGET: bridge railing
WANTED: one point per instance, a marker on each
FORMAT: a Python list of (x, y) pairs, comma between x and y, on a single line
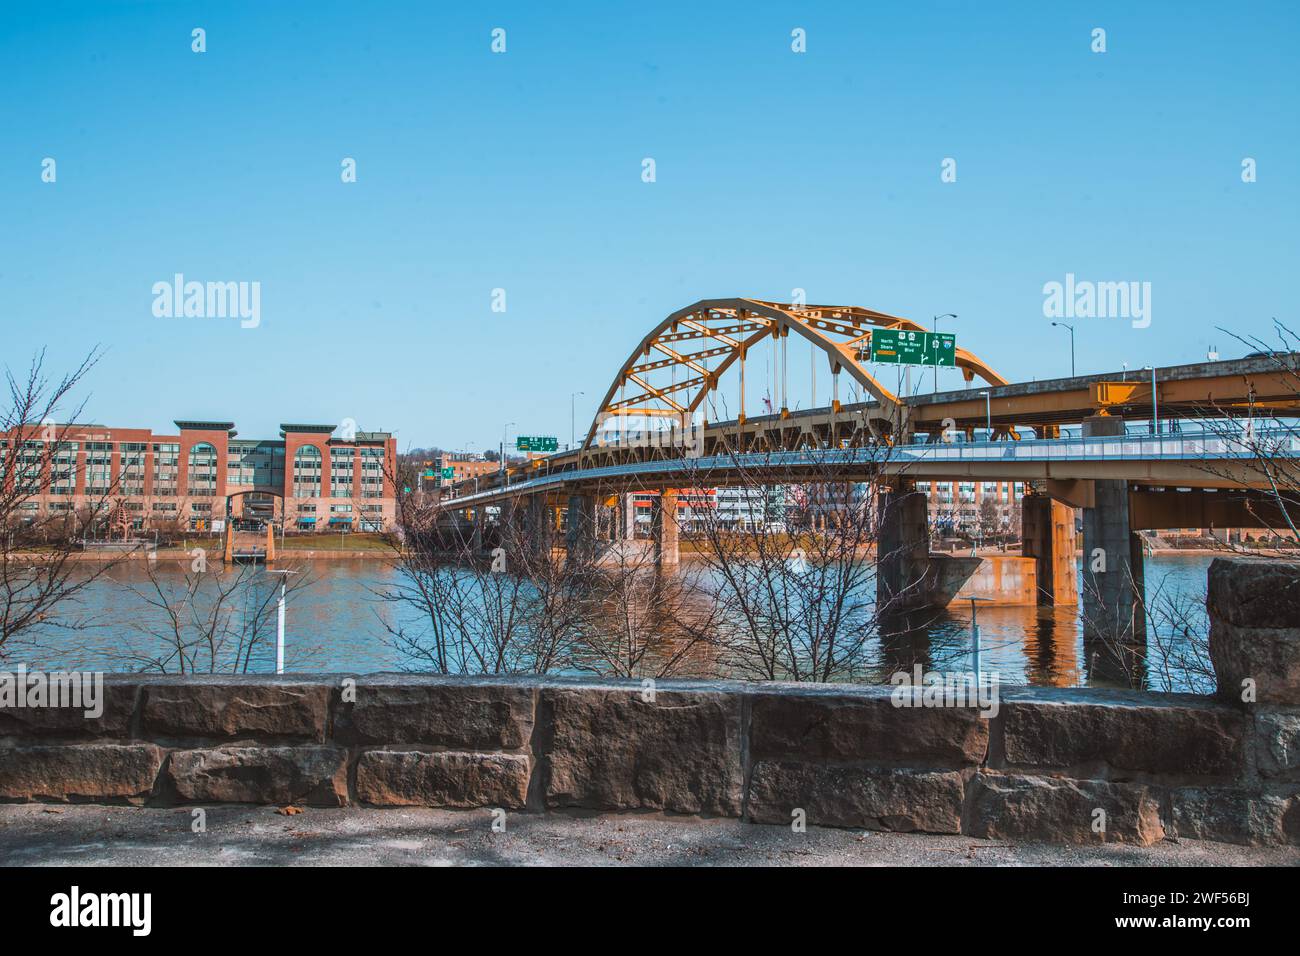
[(1207, 444)]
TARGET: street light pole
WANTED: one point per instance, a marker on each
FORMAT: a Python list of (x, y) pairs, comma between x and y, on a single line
[(573, 432), (1155, 402), (504, 429), (946, 315), (1066, 325)]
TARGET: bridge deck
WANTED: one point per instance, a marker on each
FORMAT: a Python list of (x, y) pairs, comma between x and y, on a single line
[(1201, 460)]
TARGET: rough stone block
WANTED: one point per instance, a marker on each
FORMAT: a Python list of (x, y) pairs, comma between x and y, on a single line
[(1278, 745), (877, 798), (69, 722), (1057, 810), (1192, 740), (1254, 608), (99, 771), (613, 750), (1230, 816), (470, 716), (863, 726), (314, 775), (389, 778), (239, 709)]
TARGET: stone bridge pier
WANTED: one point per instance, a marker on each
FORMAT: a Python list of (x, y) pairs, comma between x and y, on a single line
[(902, 549)]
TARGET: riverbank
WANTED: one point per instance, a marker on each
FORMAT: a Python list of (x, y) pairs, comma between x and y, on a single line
[(69, 835), (288, 555)]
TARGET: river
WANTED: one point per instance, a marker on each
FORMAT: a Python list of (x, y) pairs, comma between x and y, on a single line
[(339, 623)]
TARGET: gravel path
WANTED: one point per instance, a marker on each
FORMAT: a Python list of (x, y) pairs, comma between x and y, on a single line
[(42, 834)]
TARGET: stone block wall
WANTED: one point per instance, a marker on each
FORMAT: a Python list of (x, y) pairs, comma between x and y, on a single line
[(1062, 765)]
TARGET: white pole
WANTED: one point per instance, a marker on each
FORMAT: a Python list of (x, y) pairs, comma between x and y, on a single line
[(975, 636), (279, 629), (1155, 402)]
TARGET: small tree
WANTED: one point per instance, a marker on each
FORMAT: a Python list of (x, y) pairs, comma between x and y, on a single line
[(518, 611), (207, 620), (39, 579), (797, 600)]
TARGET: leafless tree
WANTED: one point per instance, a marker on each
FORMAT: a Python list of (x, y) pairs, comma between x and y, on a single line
[(40, 580), (515, 610), (798, 594), (1265, 437), (643, 619), (1172, 654), (207, 619)]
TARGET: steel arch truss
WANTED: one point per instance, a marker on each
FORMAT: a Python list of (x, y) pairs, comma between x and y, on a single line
[(676, 368)]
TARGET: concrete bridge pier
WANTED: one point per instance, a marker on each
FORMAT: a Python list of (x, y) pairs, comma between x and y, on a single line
[(902, 549), (1114, 610), (663, 525), (580, 535), (627, 518), (1048, 536), (538, 526), (476, 532), (1113, 587)]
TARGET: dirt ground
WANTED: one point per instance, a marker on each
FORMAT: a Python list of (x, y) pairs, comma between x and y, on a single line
[(66, 835)]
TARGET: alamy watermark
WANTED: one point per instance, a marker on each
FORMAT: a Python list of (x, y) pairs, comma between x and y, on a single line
[(209, 300), (77, 690), (947, 689), (683, 432), (1084, 299), (74, 909)]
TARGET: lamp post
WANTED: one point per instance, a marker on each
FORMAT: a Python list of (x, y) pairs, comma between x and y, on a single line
[(279, 622), (573, 432), (1155, 401), (505, 428), (946, 315), (1066, 325)]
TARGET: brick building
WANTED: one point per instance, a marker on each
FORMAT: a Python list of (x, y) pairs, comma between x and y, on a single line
[(198, 478), (969, 507)]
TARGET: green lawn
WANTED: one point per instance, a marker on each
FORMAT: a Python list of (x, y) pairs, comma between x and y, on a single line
[(335, 542)]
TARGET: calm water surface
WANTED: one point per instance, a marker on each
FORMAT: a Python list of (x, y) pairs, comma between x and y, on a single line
[(339, 624)]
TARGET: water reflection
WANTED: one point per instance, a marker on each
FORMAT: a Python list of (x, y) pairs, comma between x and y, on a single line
[(341, 625)]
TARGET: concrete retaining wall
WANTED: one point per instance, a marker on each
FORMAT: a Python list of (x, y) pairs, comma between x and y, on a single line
[(997, 579), (1059, 765)]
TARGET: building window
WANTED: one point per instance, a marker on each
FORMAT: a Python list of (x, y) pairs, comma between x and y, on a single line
[(340, 472), (307, 472), (202, 470)]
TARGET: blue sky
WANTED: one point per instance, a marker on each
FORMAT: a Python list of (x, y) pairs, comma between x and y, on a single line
[(522, 171)]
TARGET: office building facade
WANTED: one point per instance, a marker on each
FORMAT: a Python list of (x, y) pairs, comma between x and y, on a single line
[(204, 475)]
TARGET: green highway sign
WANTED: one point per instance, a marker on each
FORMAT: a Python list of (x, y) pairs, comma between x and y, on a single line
[(902, 347), (536, 443), (449, 472)]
